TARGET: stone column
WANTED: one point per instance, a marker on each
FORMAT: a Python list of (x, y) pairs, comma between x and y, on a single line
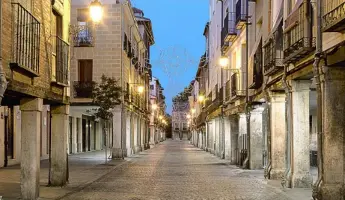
[(300, 139), (74, 135), (59, 129), (152, 135), (277, 135), (234, 131), (333, 136), (135, 133), (80, 134), (227, 138), (242, 124), (119, 135), (130, 134), (256, 140), (31, 109), (99, 134)]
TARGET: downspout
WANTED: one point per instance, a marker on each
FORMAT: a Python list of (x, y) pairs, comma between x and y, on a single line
[(3, 81), (316, 68), (246, 164), (288, 128)]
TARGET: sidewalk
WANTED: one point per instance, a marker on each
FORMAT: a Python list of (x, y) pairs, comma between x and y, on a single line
[(84, 168)]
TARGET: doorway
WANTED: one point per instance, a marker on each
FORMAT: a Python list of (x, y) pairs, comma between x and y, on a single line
[(84, 134), (9, 135), (70, 136)]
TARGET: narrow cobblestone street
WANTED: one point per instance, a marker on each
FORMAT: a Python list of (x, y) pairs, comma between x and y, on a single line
[(177, 170)]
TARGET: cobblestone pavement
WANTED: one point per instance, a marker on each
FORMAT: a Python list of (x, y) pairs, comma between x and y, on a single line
[(177, 170)]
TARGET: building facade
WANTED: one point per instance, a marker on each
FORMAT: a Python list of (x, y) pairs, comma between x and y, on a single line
[(158, 116), (180, 111), (34, 61), (119, 48), (278, 69)]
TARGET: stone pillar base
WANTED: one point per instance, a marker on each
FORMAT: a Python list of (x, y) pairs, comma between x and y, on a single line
[(118, 153), (137, 149), (302, 180), (277, 174), (146, 146), (332, 191)]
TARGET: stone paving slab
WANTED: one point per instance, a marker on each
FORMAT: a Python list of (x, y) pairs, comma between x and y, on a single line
[(84, 168), (177, 170)]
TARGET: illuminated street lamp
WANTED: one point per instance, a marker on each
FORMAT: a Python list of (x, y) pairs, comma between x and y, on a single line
[(96, 11), (154, 106), (224, 61), (201, 98), (140, 89), (188, 116), (193, 110), (160, 117)]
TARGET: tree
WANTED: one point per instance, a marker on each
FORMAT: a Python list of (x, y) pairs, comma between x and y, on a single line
[(106, 94)]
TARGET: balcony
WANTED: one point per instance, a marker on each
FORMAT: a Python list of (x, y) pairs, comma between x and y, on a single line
[(298, 40), (333, 15), (83, 89), (257, 68), (62, 59), (235, 89), (229, 32), (26, 41), (241, 16), (83, 37), (273, 49)]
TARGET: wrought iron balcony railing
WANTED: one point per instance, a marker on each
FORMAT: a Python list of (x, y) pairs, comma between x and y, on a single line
[(229, 32), (26, 40), (241, 14), (62, 60), (298, 40), (83, 37), (273, 49), (83, 89), (333, 15), (257, 68), (235, 89)]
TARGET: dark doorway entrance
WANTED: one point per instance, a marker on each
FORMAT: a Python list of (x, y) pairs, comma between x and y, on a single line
[(89, 134), (70, 138), (84, 134), (9, 136)]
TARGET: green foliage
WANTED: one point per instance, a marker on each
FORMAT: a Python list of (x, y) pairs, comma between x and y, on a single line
[(107, 94), (183, 96)]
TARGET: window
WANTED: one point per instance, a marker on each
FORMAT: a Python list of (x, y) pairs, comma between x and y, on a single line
[(176, 125), (84, 35), (85, 70), (152, 87), (184, 126), (57, 37)]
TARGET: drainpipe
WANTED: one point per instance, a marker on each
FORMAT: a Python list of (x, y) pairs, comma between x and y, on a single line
[(3, 81), (288, 128), (316, 68)]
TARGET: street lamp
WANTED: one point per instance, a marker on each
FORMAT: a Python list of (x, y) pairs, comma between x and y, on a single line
[(140, 89), (96, 11), (201, 98), (188, 116), (193, 110), (154, 107), (224, 61)]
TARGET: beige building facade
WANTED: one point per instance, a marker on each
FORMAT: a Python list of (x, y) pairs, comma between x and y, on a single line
[(117, 47)]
